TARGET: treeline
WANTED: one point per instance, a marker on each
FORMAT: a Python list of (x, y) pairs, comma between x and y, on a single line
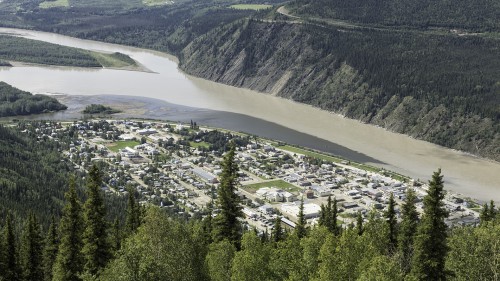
[(152, 246), (481, 15), (4, 63), (33, 51), (15, 102)]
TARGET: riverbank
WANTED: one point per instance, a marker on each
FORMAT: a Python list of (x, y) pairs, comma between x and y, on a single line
[(465, 174)]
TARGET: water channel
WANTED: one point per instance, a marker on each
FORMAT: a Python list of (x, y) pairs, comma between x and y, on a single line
[(165, 92)]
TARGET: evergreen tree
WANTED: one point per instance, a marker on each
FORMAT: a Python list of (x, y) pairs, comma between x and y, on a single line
[(485, 214), (96, 249), (391, 220), (277, 231), (430, 243), (69, 261), (328, 218), (226, 224), (493, 211), (10, 255), (31, 250), (359, 224), (116, 236), (300, 229), (207, 225), (334, 217), (322, 216), (50, 250), (133, 213), (407, 230)]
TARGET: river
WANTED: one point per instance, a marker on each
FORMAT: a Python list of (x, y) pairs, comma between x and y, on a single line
[(252, 112)]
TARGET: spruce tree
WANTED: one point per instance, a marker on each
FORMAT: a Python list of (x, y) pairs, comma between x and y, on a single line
[(328, 218), (300, 229), (485, 214), (226, 224), (407, 230), (391, 221), (2, 257), (334, 217), (359, 224), (10, 256), (116, 236), (96, 248), (277, 231), (31, 250), (69, 261), (493, 211), (430, 242), (50, 250), (133, 213), (322, 216)]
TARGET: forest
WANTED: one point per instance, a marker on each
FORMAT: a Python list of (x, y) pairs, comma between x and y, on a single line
[(31, 51), (147, 244), (14, 102), (474, 16)]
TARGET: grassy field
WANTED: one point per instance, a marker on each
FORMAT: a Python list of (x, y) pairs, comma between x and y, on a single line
[(116, 146), (281, 184), (53, 4), (156, 2), (199, 144), (255, 7), (115, 60)]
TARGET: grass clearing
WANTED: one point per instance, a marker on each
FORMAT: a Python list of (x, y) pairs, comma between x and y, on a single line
[(115, 60), (156, 2), (281, 184), (54, 4), (116, 146), (199, 144), (254, 7)]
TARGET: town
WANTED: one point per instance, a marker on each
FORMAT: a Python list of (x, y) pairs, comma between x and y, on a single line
[(176, 166)]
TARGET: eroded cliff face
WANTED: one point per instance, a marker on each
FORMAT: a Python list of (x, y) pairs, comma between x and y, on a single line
[(348, 72)]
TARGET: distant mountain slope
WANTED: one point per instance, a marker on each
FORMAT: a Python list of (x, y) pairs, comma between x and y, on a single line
[(479, 15), (443, 89)]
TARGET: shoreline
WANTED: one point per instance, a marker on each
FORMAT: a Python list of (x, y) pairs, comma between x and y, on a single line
[(134, 107)]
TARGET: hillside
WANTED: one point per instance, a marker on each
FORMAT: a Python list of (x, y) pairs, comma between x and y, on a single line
[(14, 102), (443, 89)]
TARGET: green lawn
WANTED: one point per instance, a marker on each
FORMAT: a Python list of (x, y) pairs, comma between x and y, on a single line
[(281, 184), (255, 7), (199, 144), (116, 146), (53, 4)]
